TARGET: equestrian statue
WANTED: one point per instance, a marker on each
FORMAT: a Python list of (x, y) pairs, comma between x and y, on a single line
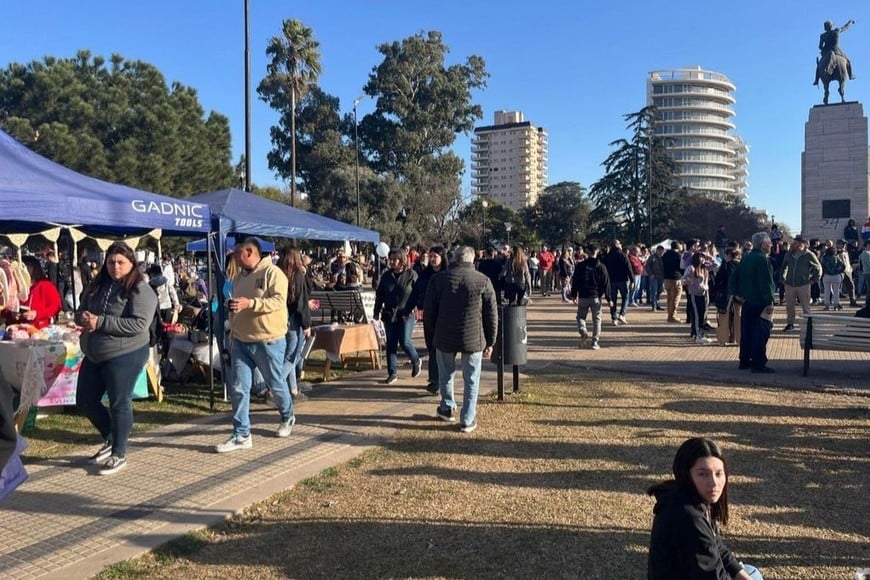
[(833, 64)]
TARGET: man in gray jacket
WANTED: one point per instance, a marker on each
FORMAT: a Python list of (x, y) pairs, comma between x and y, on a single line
[(461, 317), (800, 269)]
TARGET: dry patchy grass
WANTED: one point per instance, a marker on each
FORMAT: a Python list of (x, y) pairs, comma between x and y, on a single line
[(552, 485)]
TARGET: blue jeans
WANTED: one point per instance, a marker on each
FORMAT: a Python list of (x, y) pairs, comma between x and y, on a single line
[(292, 352), (637, 293), (268, 358), (399, 334), (432, 366), (471, 364), (655, 290), (620, 288), (117, 378), (754, 334)]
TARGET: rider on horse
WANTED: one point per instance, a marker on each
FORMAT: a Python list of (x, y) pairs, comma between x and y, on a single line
[(829, 45)]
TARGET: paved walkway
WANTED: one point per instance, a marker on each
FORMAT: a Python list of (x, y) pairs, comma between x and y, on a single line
[(66, 522)]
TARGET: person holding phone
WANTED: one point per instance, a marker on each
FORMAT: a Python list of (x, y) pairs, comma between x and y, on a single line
[(116, 312)]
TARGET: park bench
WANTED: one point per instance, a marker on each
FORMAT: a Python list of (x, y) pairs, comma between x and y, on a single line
[(834, 332), (342, 306)]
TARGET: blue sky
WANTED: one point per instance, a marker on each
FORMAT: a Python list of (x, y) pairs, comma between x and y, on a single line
[(572, 68)]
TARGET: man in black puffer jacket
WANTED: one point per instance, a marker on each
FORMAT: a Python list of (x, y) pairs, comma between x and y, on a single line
[(621, 277), (461, 317)]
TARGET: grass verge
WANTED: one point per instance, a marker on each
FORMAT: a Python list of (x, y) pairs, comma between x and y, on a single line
[(552, 485)]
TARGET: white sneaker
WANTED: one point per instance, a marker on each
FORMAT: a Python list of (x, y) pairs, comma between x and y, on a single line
[(235, 443), (594, 345), (286, 427), (703, 340), (622, 319)]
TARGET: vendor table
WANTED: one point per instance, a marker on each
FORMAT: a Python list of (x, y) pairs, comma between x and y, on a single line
[(46, 373), (339, 340)]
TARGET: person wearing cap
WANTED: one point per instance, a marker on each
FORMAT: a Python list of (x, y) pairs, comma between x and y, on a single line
[(800, 269)]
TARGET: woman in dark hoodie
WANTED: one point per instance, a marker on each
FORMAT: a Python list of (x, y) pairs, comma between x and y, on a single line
[(437, 262), (685, 542)]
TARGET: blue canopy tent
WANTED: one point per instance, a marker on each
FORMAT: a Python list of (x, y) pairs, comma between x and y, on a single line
[(201, 245), (36, 191), (237, 211), (234, 211)]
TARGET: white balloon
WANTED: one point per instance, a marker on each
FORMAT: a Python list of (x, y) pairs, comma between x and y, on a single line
[(382, 249)]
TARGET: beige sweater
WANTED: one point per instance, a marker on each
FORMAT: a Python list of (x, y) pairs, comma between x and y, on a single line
[(266, 318)]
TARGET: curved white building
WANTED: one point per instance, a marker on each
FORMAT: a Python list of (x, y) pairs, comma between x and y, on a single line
[(695, 113)]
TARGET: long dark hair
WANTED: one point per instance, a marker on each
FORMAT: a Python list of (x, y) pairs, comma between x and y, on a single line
[(441, 251), (130, 282), (291, 264), (36, 271), (689, 452)]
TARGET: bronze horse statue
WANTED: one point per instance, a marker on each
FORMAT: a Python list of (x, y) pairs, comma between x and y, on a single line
[(837, 65)]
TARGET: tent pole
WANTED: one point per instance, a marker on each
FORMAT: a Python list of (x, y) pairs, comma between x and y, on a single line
[(72, 272), (211, 315)]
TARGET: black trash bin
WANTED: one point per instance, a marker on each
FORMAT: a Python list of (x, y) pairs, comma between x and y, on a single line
[(513, 330)]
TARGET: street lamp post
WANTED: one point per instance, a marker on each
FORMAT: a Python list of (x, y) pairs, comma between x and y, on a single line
[(356, 102), (484, 204), (508, 227), (247, 173)]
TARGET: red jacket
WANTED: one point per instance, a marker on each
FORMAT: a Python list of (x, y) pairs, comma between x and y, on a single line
[(546, 260), (45, 300), (636, 265)]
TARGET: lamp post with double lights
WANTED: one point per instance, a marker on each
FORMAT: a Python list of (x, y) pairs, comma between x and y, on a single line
[(356, 102)]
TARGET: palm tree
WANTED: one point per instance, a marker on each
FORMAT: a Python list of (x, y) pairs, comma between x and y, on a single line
[(294, 67)]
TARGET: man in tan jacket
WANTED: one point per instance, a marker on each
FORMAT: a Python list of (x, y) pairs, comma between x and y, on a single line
[(258, 326)]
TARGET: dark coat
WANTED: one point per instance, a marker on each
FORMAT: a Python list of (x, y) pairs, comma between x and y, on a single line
[(422, 284), (393, 296), (618, 266), (671, 265), (461, 310), (719, 292), (298, 309), (684, 542), (590, 280)]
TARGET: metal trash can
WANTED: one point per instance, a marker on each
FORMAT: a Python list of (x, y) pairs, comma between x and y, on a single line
[(512, 329)]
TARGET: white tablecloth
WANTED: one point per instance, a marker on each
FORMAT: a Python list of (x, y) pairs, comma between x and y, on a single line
[(44, 372)]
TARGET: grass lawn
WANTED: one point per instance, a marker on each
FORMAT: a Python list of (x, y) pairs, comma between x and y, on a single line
[(552, 485)]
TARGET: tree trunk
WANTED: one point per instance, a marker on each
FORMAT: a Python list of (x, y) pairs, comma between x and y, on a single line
[(292, 145)]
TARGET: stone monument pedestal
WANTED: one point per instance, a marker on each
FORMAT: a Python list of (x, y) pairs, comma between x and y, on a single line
[(835, 184)]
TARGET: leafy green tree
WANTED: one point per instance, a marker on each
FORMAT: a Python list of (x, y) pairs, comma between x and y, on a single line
[(561, 214), (638, 194), (322, 148), (698, 216), (117, 121), (294, 66), (472, 217), (421, 104)]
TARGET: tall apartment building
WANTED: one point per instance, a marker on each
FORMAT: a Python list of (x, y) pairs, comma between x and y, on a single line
[(695, 118), (509, 160)]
